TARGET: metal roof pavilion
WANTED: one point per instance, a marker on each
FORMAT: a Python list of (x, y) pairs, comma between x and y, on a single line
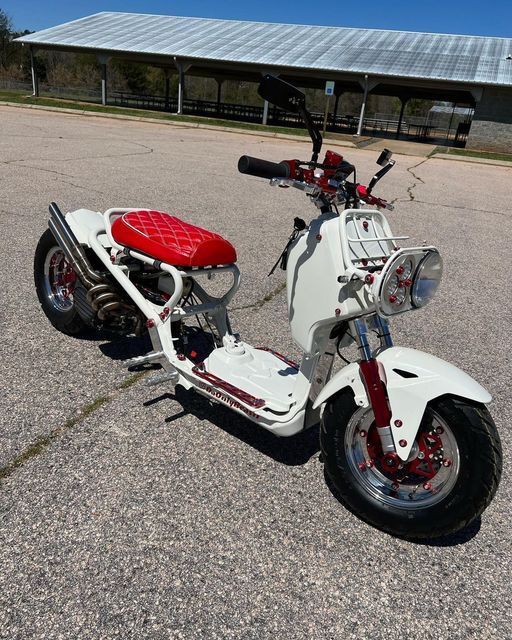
[(474, 60)]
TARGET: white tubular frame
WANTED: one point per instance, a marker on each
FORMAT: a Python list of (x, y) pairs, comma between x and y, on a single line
[(160, 315)]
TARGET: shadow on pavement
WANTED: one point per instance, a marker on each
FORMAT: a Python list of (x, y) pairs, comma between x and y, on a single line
[(292, 451), (123, 348)]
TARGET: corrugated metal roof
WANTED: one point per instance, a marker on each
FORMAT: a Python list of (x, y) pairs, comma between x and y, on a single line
[(469, 59)]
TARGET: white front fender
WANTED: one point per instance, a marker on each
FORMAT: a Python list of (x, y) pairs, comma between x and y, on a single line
[(413, 378)]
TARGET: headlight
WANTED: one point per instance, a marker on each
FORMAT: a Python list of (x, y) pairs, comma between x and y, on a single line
[(408, 281), (427, 279)]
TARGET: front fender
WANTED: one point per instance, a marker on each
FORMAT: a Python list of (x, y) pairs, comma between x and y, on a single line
[(413, 379)]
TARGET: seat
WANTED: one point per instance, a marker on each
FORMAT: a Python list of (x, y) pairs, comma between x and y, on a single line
[(169, 239)]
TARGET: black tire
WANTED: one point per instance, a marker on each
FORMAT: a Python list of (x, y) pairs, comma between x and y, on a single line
[(66, 320), (473, 487)]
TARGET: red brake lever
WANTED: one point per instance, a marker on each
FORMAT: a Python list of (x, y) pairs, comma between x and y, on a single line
[(362, 193)]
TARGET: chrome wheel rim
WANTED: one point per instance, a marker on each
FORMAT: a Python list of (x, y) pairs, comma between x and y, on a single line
[(425, 479), (59, 280)]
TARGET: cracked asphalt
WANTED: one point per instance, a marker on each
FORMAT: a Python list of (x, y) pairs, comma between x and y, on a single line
[(129, 511)]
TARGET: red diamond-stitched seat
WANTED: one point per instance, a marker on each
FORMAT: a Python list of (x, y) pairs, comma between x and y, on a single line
[(171, 240)]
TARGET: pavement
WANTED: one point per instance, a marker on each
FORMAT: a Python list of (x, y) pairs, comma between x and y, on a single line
[(136, 512)]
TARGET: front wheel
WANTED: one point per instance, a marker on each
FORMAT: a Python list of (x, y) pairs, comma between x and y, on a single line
[(449, 479)]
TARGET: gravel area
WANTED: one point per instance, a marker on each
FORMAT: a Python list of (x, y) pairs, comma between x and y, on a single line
[(129, 511)]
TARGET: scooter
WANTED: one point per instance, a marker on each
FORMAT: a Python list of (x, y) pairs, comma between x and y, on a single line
[(407, 441)]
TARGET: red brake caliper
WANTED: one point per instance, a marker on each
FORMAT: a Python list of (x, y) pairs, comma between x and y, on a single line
[(425, 466)]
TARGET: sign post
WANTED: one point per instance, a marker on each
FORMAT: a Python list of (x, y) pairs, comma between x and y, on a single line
[(329, 91)]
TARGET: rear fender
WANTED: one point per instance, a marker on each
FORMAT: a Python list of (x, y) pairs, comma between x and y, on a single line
[(413, 379), (82, 222)]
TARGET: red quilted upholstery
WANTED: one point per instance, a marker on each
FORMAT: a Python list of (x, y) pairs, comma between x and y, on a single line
[(171, 240)]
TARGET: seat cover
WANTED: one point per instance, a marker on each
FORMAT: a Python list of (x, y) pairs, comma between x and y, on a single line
[(169, 239)]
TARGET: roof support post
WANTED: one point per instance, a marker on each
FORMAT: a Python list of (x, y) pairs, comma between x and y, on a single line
[(181, 88), (265, 112), (103, 84), (35, 79), (220, 82), (363, 107), (103, 59), (181, 83), (167, 90), (404, 101), (337, 94)]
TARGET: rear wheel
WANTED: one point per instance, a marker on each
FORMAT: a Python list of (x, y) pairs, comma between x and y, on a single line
[(55, 283), (449, 479)]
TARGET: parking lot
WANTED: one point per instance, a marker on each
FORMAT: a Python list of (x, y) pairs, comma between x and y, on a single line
[(136, 512)]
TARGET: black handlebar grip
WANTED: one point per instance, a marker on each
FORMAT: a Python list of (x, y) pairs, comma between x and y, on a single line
[(263, 168)]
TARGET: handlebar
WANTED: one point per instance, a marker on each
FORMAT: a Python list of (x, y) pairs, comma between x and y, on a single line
[(263, 168)]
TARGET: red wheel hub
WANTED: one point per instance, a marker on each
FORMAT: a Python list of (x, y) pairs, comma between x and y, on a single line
[(61, 275)]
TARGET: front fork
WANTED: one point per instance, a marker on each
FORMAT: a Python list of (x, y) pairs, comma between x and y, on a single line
[(373, 383)]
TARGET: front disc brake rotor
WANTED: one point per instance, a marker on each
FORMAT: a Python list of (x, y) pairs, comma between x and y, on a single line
[(424, 479)]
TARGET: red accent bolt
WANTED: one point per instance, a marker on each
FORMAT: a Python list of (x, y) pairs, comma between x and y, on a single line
[(384, 259), (408, 282), (370, 463), (447, 462), (369, 278), (427, 486), (318, 237), (401, 284), (400, 270), (365, 224), (398, 423), (162, 315), (362, 433), (150, 323), (402, 443), (362, 466), (364, 262), (181, 356), (439, 430), (395, 486), (337, 312), (112, 259), (392, 299)]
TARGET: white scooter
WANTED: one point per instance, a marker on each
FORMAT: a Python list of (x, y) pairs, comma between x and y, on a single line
[(407, 441)]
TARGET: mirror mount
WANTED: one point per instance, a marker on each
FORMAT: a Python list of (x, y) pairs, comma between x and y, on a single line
[(380, 173), (314, 133), (287, 97)]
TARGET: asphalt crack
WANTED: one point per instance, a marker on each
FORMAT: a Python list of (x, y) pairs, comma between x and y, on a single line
[(41, 444), (262, 301), (416, 177)]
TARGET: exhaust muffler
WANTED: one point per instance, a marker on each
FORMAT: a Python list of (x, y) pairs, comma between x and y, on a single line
[(72, 249)]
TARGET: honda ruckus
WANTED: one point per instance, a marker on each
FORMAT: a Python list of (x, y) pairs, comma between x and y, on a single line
[(406, 438)]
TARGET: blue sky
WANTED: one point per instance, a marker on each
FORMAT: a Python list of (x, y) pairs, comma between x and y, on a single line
[(493, 18)]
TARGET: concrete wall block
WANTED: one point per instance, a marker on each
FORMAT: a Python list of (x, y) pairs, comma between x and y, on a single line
[(491, 129), (490, 136)]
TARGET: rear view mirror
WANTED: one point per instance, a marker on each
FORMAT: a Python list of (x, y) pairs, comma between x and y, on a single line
[(384, 157), (283, 95)]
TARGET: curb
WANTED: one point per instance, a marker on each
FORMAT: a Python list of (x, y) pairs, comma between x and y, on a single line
[(174, 123), (473, 159)]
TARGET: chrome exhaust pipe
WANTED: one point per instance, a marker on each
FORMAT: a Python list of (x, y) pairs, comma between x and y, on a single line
[(73, 250)]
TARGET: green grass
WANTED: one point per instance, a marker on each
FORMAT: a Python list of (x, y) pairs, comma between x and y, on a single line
[(23, 98), (487, 155), (41, 444)]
